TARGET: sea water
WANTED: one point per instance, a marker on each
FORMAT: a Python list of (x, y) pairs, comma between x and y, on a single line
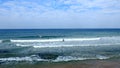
[(57, 45)]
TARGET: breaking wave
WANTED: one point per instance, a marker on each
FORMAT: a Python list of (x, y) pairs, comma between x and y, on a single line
[(57, 40), (70, 58), (58, 46), (58, 59), (62, 39), (44, 46)]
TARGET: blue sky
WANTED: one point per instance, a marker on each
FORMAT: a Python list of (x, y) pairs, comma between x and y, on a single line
[(59, 14)]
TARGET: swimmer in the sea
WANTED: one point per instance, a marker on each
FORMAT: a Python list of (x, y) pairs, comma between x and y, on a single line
[(63, 40)]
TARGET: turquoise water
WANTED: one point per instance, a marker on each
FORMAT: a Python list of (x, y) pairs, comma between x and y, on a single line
[(58, 44)]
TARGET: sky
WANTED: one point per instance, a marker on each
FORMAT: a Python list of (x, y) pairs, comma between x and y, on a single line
[(15, 14)]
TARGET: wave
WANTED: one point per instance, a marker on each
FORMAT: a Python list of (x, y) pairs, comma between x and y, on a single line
[(58, 59), (70, 58), (53, 46), (62, 46), (57, 40), (16, 59), (20, 45), (69, 39), (47, 46)]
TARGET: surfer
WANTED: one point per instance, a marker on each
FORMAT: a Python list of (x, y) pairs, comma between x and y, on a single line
[(63, 40)]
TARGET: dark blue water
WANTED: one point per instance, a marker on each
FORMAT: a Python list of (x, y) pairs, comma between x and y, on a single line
[(58, 44), (36, 33)]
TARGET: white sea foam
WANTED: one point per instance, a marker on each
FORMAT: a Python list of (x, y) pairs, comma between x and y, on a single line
[(63, 45), (53, 46), (69, 58), (67, 39), (57, 46), (20, 45), (59, 59), (16, 59), (44, 46), (101, 57), (57, 40), (27, 58), (49, 40)]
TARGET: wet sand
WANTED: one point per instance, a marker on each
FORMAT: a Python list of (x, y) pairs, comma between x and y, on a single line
[(72, 64)]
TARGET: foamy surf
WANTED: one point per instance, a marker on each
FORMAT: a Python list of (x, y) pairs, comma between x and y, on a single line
[(54, 46), (46, 46), (20, 45), (62, 46), (16, 59), (70, 58), (58, 59), (57, 40)]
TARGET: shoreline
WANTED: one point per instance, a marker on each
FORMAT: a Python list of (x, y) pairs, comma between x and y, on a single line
[(111, 63)]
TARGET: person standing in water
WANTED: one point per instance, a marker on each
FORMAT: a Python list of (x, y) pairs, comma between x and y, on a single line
[(63, 40)]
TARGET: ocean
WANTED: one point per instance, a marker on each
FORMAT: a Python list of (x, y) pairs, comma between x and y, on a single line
[(56, 45)]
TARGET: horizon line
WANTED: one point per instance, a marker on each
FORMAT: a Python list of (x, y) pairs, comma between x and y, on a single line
[(56, 28)]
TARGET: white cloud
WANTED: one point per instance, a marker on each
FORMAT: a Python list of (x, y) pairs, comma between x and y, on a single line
[(78, 14), (91, 4)]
